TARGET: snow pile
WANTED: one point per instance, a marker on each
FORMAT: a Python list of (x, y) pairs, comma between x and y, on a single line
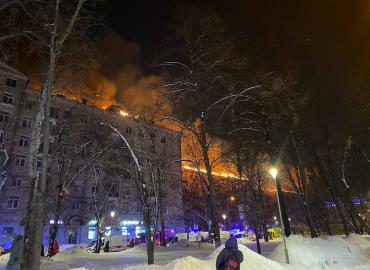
[(5, 257), (332, 253), (252, 260), (69, 252)]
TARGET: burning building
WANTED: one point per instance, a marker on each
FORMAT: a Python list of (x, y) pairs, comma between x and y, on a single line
[(155, 146)]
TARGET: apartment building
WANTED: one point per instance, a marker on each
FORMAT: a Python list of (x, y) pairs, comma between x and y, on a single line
[(156, 147)]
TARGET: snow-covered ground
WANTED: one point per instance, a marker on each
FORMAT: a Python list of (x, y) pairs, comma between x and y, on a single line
[(305, 253)]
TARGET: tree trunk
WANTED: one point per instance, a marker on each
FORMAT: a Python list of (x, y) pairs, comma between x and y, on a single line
[(148, 235), (98, 234), (265, 232), (309, 220), (55, 227), (329, 185), (258, 244)]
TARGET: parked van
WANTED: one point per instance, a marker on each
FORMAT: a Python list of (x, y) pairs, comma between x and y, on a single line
[(116, 243)]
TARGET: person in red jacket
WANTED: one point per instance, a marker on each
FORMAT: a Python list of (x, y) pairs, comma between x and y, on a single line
[(55, 247)]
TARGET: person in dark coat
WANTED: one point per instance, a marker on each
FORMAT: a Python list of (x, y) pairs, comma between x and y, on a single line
[(16, 254), (42, 250), (230, 257)]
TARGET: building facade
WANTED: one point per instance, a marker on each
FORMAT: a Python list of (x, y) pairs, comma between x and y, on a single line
[(88, 183)]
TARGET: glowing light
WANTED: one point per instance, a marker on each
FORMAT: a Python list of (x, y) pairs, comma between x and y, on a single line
[(123, 113), (273, 172), (223, 174), (232, 198), (130, 222), (112, 214), (224, 216)]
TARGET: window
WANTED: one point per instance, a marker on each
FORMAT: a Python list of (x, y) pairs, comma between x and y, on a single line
[(75, 206), (23, 141), (8, 98), (163, 179), (113, 190), (11, 82), (2, 136), (94, 189), (65, 131), (96, 171), (8, 231), (12, 202), (77, 169), (39, 163), (27, 122), (20, 161), (67, 115), (126, 175), (128, 130), (140, 160), (29, 105), (4, 116), (163, 140), (16, 182), (53, 112)]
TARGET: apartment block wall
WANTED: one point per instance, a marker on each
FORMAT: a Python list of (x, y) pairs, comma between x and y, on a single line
[(16, 118)]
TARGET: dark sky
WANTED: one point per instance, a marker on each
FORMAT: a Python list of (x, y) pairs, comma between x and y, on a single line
[(325, 42)]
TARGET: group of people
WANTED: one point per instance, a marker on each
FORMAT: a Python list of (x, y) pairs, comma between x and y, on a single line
[(16, 253)]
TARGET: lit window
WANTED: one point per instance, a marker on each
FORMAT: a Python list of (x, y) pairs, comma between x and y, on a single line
[(27, 122), (7, 231), (4, 116), (8, 98), (23, 141), (11, 82), (16, 182), (20, 161), (13, 202)]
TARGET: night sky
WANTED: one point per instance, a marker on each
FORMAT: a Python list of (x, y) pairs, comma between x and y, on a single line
[(324, 42)]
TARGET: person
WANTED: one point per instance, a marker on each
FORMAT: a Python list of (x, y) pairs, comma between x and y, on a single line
[(230, 257), (132, 243), (42, 250), (16, 255), (55, 247)]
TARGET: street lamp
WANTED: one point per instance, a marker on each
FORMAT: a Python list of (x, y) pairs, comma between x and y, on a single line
[(274, 172), (224, 218)]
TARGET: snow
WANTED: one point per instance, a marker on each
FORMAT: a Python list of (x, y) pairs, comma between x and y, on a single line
[(327, 253)]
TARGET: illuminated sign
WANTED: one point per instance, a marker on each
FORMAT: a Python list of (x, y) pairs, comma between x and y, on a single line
[(130, 222)]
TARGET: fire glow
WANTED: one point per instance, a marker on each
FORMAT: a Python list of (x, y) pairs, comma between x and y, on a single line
[(221, 174)]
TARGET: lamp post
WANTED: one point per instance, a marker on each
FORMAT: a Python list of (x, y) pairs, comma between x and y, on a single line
[(224, 218), (112, 214), (273, 172)]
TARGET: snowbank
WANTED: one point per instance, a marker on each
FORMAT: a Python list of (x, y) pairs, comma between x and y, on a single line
[(252, 260), (331, 253)]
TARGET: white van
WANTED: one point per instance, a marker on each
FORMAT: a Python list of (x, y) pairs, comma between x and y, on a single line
[(115, 243)]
